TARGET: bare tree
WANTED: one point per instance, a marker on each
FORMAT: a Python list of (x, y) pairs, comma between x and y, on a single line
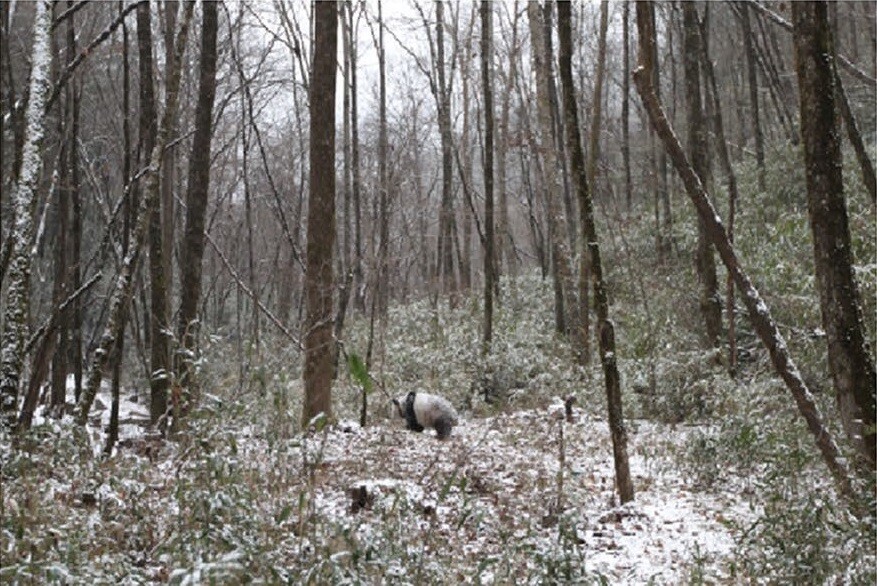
[(383, 272), (565, 282), (487, 84), (192, 250), (710, 306), (749, 50), (318, 344), (159, 276), (605, 326), (731, 180), (506, 249), (17, 309), (584, 353), (759, 313), (625, 106), (121, 295), (850, 362), (446, 217)]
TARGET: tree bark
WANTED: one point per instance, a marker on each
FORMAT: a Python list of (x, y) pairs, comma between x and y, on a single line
[(121, 296), (319, 282), (192, 250), (625, 107), (710, 306), (850, 362), (445, 262), (749, 50), (505, 252), (116, 375), (731, 180), (759, 313), (559, 244), (383, 273), (623, 481), (487, 83), (359, 288), (159, 326), (16, 314)]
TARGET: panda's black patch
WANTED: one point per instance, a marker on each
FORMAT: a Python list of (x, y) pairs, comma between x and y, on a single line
[(410, 418)]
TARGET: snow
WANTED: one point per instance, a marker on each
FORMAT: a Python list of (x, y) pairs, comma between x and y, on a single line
[(499, 474), (490, 505)]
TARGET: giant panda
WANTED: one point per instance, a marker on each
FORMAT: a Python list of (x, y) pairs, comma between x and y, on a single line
[(422, 410)]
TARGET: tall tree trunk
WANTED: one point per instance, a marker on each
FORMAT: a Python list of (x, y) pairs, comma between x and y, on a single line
[(248, 202), (584, 353), (625, 107), (383, 272), (346, 246), (661, 193), (731, 180), (749, 49), (319, 281), (487, 83), (123, 289), (556, 220), (557, 132), (606, 329), (198, 184), (159, 362), (359, 288), (759, 313), (147, 134), (118, 350), (169, 177), (506, 249), (463, 154), (446, 215), (851, 365), (60, 358), (16, 313), (710, 306)]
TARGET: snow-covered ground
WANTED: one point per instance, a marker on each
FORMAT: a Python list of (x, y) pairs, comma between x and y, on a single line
[(518, 497), (488, 497)]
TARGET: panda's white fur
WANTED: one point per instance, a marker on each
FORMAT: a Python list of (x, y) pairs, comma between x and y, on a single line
[(424, 410)]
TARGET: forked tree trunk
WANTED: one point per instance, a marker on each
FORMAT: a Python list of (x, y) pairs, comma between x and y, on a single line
[(606, 329), (759, 313)]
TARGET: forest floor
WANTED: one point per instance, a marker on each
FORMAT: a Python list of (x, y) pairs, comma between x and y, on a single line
[(493, 497), (523, 496)]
